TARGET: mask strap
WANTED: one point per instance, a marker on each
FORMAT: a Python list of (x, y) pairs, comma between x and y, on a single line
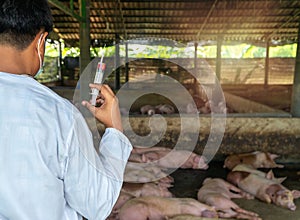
[(39, 53)]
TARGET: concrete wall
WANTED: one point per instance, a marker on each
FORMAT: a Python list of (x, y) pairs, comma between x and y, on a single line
[(242, 134)]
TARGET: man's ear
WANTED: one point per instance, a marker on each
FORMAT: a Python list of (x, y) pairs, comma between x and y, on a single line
[(42, 41)]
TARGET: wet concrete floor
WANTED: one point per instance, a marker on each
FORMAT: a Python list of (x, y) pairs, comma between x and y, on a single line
[(187, 182)]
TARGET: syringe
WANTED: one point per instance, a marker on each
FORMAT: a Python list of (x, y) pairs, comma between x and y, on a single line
[(98, 79)]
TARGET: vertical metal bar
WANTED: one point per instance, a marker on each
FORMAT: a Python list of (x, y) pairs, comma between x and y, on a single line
[(117, 63), (195, 56), (219, 58), (126, 63), (60, 73), (195, 60), (267, 63), (295, 106)]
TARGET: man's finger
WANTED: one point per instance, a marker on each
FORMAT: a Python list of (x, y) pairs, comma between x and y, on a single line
[(89, 106), (96, 86)]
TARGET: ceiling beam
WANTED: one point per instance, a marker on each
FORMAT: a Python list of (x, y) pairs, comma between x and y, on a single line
[(206, 19), (122, 18), (283, 24), (65, 9)]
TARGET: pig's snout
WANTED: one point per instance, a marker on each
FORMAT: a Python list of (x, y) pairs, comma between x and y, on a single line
[(292, 207), (200, 162)]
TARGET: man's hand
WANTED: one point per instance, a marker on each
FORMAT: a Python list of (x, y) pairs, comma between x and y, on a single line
[(108, 111)]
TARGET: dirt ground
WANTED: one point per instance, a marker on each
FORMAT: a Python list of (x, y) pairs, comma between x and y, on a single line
[(187, 182)]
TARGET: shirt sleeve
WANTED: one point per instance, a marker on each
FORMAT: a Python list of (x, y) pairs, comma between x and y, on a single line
[(92, 182)]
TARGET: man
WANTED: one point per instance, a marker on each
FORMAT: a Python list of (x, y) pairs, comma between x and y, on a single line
[(48, 166)]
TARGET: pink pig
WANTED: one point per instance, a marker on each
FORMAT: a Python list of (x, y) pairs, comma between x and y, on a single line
[(143, 173), (148, 110), (153, 208), (264, 189), (256, 159), (168, 158), (146, 189), (218, 193)]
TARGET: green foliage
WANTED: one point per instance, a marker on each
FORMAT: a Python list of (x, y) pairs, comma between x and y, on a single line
[(158, 51), (289, 50)]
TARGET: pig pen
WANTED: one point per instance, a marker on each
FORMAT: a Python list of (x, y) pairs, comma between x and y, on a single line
[(242, 134), (266, 129)]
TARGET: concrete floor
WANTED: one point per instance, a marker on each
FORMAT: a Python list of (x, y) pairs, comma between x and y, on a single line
[(187, 182)]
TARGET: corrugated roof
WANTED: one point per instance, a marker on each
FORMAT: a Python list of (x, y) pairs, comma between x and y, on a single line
[(253, 21)]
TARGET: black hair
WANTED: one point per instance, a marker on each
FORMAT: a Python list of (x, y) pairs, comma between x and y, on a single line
[(21, 20)]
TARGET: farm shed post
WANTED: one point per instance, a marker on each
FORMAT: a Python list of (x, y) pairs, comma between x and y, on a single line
[(295, 106), (219, 57), (84, 40), (267, 61), (117, 63)]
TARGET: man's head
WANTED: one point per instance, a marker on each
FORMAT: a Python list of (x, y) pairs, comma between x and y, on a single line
[(22, 20)]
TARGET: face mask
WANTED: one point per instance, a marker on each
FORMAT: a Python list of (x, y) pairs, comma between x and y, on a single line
[(40, 57)]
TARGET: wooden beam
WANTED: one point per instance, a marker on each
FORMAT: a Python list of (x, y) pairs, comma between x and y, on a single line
[(207, 18), (84, 40), (65, 9), (267, 59), (117, 63), (295, 106)]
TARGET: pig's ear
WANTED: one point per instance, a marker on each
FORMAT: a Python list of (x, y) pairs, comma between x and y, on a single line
[(270, 175), (279, 165), (273, 156), (296, 194), (280, 180), (144, 158)]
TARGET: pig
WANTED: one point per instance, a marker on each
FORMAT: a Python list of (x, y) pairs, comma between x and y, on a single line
[(218, 193), (250, 169), (165, 109), (177, 158), (168, 158), (256, 159), (146, 189), (142, 173), (154, 208), (189, 217), (122, 199), (141, 149), (264, 189), (191, 109), (148, 110), (206, 109)]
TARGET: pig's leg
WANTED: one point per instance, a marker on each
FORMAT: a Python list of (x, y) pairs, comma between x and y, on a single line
[(238, 213), (242, 212), (196, 208), (235, 192), (140, 150), (199, 162)]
